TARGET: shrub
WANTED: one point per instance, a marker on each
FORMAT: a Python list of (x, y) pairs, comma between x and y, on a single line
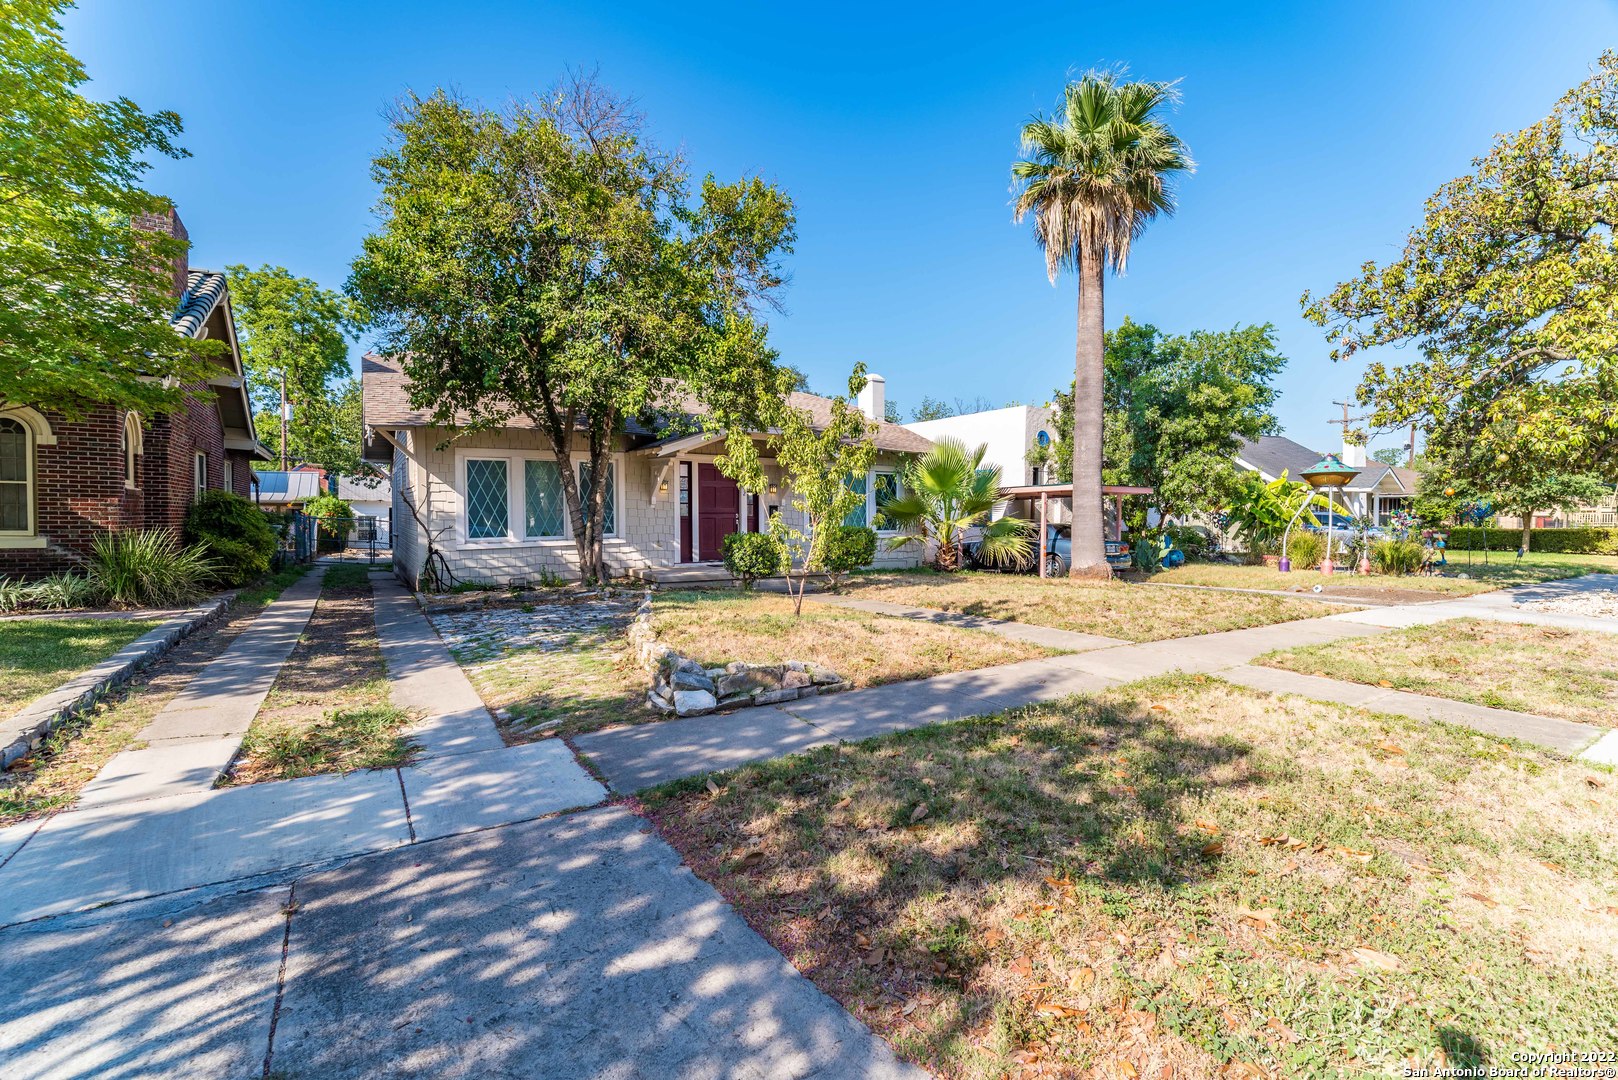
[(848, 547), (750, 556), (1397, 556), (233, 533), (335, 516), (149, 569), (1579, 540), (1192, 541), (64, 592), (1307, 550), (13, 594)]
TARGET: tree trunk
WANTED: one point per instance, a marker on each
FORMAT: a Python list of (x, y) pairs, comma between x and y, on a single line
[(1527, 530), (1089, 559)]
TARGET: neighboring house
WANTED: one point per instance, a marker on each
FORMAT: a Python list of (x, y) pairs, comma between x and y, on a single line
[(491, 502), (1376, 492), (64, 482), (276, 490), (1012, 436), (372, 502)]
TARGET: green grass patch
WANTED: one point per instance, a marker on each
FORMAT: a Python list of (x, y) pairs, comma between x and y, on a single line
[(38, 655), (346, 576), (343, 740), (267, 589)]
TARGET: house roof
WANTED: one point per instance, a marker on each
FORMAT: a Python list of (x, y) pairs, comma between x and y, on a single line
[(206, 295), (203, 291), (1375, 475), (1274, 454), (385, 403), (275, 486)]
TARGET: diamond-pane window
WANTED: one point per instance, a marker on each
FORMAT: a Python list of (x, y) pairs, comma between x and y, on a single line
[(609, 512), (856, 516), (542, 498), (486, 512), (887, 489)]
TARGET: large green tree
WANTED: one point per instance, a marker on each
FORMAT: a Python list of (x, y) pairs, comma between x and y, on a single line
[(1507, 291), (1521, 485), (1176, 409), (1096, 173), (295, 336), (547, 262), (85, 294)]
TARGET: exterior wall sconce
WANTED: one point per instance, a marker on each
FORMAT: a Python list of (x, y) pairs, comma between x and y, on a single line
[(773, 489), (663, 488)]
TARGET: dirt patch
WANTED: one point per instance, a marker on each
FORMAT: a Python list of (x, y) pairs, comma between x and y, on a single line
[(329, 709)]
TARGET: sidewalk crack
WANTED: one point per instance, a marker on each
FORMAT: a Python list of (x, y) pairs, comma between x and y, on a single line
[(410, 822), (289, 910)]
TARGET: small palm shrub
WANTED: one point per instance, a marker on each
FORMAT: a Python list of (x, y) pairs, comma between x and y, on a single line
[(848, 548), (150, 569), (1307, 550), (234, 533), (750, 556), (1397, 556), (63, 592)]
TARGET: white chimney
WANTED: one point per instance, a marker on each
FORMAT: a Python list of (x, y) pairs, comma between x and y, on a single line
[(1353, 454), (873, 400)]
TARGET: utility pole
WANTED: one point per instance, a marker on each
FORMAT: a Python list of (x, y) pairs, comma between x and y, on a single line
[(283, 419), (1346, 420)]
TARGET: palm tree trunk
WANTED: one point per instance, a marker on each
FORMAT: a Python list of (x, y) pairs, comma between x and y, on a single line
[(1089, 542)]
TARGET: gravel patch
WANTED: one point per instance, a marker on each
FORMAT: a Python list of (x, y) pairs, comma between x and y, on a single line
[(483, 634), (1600, 605)]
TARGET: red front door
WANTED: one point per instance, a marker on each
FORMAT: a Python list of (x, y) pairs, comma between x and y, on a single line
[(719, 507)]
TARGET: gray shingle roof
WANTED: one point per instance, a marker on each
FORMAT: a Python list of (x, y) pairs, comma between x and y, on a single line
[(203, 291), (385, 403), (1273, 454)]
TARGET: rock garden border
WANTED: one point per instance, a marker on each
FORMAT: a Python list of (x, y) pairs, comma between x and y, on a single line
[(22, 733), (682, 686)]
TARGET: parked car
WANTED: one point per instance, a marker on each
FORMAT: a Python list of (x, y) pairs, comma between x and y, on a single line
[(1059, 553)]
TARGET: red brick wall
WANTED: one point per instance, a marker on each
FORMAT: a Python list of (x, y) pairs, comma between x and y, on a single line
[(79, 483)]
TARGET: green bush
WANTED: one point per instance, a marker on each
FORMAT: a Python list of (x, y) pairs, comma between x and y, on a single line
[(750, 556), (234, 533), (848, 548), (335, 517), (1307, 550), (149, 569), (1396, 556), (13, 594), (1580, 540), (1194, 542), (64, 592)]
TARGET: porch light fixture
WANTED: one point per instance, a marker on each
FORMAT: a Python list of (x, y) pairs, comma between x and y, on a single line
[(663, 487), (1328, 472), (772, 489)]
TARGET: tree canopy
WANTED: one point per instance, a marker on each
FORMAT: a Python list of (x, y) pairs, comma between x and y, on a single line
[(547, 261), (1176, 409), (85, 295), (1505, 293), (290, 325), (1520, 486)]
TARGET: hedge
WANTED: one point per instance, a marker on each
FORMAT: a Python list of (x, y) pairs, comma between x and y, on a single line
[(1584, 540)]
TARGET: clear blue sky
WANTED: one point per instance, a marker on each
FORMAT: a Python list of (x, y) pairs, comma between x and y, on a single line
[(1318, 131)]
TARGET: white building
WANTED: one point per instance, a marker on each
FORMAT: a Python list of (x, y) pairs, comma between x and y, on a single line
[(1010, 434)]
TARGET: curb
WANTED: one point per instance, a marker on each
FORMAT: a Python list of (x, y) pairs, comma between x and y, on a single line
[(23, 732)]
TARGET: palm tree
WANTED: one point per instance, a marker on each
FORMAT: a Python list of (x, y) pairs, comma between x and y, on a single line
[(947, 491), (1094, 176)]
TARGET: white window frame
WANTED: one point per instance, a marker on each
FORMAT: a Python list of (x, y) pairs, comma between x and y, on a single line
[(30, 481), (870, 486), (132, 447), (230, 474), (199, 472), (516, 511), (522, 499)]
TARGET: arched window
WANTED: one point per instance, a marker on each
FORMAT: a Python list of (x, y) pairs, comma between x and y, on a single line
[(132, 446), (16, 478)]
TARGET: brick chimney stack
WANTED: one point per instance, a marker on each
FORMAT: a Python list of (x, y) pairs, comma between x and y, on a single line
[(168, 223)]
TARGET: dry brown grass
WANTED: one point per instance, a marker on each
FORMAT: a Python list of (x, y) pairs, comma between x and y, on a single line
[(716, 627), (1571, 674), (1181, 878), (329, 709), (1110, 609), (1502, 570)]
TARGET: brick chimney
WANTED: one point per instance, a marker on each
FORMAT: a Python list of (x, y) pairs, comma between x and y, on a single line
[(168, 223)]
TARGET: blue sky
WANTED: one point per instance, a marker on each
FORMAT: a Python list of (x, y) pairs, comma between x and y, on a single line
[(1318, 131)]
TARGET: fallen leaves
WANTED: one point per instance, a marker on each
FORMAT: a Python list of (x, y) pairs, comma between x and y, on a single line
[(1374, 958), (1290, 843), (714, 789), (1053, 1008), (1262, 918), (750, 859), (1486, 901), (1213, 848), (918, 813), (1390, 747), (1022, 966)]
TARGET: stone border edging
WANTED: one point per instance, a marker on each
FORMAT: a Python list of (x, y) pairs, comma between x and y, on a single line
[(24, 731), (684, 687)]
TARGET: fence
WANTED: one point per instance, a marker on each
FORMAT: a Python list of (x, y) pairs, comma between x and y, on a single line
[(360, 538)]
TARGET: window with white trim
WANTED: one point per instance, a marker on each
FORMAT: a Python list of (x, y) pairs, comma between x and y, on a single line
[(16, 478), (543, 506), (886, 486), (131, 447), (230, 475), (609, 509), (860, 514), (199, 473), (487, 499)]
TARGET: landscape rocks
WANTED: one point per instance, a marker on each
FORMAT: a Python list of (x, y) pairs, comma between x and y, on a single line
[(487, 632), (1598, 605), (683, 687)]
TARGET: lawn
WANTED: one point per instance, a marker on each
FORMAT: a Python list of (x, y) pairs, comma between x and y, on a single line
[(38, 655), (1572, 674), (1180, 878), (716, 627), (329, 709), (1502, 570), (51, 778), (1111, 609)]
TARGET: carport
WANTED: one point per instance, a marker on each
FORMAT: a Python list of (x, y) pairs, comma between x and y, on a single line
[(1044, 493)]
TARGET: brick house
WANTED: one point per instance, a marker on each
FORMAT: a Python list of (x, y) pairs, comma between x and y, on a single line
[(63, 482), (491, 502)]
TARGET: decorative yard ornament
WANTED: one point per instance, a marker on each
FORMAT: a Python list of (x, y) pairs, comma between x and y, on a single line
[(1328, 472)]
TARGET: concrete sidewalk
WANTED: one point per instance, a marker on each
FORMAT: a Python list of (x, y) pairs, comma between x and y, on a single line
[(577, 947), (424, 678), (191, 742)]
